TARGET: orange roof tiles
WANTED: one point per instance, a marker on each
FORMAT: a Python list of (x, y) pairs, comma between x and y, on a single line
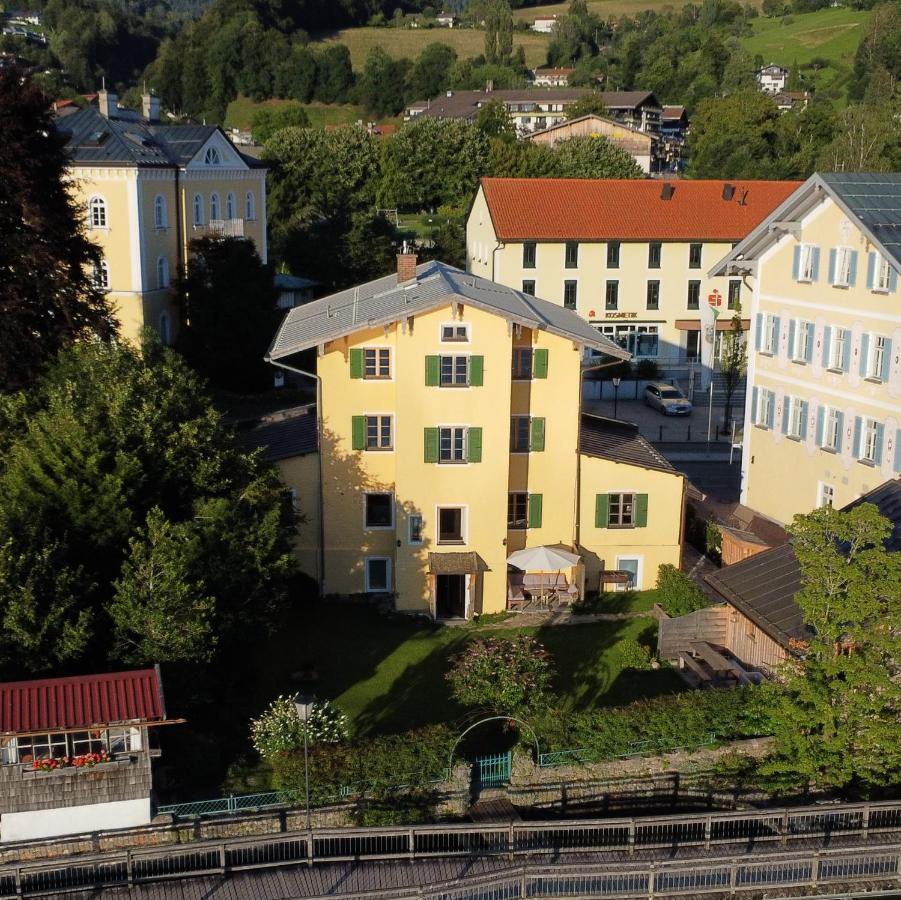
[(565, 209)]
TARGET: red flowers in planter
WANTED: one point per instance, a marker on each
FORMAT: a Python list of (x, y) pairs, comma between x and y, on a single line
[(86, 760)]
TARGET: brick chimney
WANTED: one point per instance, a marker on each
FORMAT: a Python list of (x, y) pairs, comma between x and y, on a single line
[(406, 265)]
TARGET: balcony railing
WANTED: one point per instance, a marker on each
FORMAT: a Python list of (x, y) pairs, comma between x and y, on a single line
[(222, 227)]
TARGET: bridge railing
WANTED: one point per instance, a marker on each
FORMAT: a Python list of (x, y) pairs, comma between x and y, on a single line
[(776, 829)]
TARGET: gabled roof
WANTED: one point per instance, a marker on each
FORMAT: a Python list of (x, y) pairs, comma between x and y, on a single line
[(872, 199), (94, 139), (559, 209), (384, 301), (619, 441), (283, 435), (763, 587), (641, 135), (81, 701)]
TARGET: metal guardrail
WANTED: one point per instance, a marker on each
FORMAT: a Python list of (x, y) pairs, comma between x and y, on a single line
[(768, 829), (235, 803), (636, 748)]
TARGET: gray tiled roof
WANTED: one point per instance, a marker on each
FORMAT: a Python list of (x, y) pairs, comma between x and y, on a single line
[(875, 198), (763, 587), (290, 433), (383, 301), (619, 441), (93, 138)]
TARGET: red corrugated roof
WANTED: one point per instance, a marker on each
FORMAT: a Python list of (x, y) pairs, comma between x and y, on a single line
[(80, 701), (565, 209)]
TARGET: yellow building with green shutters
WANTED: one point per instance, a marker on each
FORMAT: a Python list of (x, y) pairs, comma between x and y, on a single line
[(450, 436), (146, 190)]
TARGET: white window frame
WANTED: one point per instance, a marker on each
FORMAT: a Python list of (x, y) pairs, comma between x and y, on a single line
[(214, 207), (98, 218), (770, 337), (882, 277), (832, 433), (160, 213), (455, 357), (250, 207), (458, 329), (414, 517), (876, 357), (453, 430), (805, 267), (795, 422), (639, 575), (383, 422), (869, 434), (803, 340), (376, 376), (101, 275), (825, 494), (212, 157), (765, 398), (230, 205), (198, 210), (367, 584), (838, 341), (842, 274), (464, 524), (366, 525), (130, 737), (162, 273)]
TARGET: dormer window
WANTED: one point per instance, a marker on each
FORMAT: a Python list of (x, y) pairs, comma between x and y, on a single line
[(211, 157)]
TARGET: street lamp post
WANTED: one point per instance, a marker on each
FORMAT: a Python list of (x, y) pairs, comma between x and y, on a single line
[(304, 706), (616, 382)]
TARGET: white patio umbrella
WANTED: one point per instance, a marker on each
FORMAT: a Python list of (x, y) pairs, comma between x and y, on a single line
[(543, 559)]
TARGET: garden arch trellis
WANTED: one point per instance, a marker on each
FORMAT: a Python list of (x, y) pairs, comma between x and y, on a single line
[(450, 759)]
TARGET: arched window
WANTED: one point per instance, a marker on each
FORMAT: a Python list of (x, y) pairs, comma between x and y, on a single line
[(211, 158), (230, 206), (162, 272), (97, 212), (101, 275), (165, 329), (214, 207), (249, 207), (160, 214), (198, 209)]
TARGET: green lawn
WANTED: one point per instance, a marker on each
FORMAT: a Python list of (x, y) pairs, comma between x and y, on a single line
[(828, 34), (410, 42), (387, 673), (603, 8), (240, 112)]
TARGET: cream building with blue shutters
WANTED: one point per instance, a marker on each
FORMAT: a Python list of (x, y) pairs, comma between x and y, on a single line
[(822, 424), (450, 436)]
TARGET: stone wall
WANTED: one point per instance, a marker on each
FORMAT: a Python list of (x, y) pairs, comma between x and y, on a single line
[(125, 778)]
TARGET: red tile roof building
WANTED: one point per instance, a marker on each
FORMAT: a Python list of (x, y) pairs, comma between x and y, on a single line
[(569, 209), (81, 701)]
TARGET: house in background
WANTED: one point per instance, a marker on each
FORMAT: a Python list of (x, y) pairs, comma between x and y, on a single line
[(294, 290), (759, 625), (544, 24), (824, 371), (640, 146), (628, 255), (146, 191), (772, 79), (75, 753), (449, 433), (548, 77)]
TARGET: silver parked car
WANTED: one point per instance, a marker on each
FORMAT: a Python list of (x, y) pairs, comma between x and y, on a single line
[(667, 398)]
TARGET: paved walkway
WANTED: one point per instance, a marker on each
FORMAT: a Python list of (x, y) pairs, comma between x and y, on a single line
[(659, 428)]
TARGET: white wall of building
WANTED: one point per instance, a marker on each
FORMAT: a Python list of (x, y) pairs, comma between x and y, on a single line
[(42, 823)]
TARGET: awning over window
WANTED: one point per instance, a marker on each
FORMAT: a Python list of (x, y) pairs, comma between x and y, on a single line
[(722, 324), (456, 563)]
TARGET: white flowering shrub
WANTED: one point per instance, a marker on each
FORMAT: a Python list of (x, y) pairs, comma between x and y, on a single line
[(279, 728)]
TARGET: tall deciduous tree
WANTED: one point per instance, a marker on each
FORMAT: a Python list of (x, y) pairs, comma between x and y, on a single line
[(733, 363), (110, 435), (381, 87), (588, 157), (498, 32), (47, 295), (838, 713), (231, 305)]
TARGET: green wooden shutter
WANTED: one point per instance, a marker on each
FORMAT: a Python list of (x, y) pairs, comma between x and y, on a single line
[(476, 370), (601, 510), (641, 510), (540, 363), (358, 432), (537, 436), (432, 369), (474, 445), (431, 445), (535, 503), (356, 363)]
